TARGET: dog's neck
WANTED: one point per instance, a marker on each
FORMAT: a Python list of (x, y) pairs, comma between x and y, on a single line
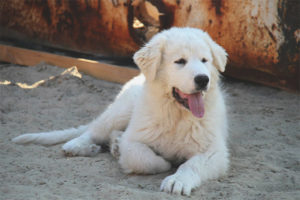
[(158, 91)]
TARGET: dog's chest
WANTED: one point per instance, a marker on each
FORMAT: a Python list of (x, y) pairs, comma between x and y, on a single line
[(182, 141)]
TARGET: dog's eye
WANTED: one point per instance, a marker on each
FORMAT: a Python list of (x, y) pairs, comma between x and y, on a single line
[(181, 61), (204, 60)]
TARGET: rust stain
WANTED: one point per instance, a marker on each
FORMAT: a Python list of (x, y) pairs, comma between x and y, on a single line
[(217, 4), (270, 33), (189, 8)]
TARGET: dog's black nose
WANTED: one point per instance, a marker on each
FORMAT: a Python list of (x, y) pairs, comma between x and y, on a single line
[(201, 82)]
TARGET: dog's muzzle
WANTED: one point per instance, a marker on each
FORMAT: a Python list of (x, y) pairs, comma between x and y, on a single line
[(193, 102)]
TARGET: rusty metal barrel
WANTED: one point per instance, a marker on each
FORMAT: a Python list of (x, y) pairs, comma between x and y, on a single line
[(262, 38)]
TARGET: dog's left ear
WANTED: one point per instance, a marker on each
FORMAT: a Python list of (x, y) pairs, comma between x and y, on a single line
[(219, 54), (149, 57)]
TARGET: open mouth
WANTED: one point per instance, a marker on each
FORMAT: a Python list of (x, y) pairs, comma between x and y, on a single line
[(193, 102)]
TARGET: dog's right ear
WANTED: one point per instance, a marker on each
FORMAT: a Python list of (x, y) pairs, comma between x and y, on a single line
[(149, 57)]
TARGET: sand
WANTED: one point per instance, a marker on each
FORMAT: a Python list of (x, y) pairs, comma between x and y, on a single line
[(264, 141)]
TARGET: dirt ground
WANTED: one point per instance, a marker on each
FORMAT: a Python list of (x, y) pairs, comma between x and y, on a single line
[(264, 142)]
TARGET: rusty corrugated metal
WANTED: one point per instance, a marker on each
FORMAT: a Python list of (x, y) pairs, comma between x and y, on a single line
[(261, 37), (89, 26)]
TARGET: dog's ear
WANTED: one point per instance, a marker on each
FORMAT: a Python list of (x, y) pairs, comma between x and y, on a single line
[(149, 57), (219, 54)]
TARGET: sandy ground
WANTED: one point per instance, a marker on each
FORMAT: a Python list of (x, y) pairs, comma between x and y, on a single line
[(264, 142)]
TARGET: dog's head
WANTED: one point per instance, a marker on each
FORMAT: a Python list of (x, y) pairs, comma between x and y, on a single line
[(186, 61)]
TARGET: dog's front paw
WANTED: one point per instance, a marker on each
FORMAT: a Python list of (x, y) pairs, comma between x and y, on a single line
[(176, 184)]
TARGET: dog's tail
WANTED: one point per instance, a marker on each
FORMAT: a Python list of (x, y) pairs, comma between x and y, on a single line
[(50, 138)]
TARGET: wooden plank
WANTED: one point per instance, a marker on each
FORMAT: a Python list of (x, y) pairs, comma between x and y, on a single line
[(97, 69)]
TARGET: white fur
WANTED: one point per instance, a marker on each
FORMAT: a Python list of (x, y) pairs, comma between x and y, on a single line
[(158, 131)]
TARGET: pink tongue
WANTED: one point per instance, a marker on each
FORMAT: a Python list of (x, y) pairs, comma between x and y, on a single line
[(196, 104)]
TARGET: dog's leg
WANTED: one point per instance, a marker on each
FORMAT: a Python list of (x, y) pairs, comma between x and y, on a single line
[(81, 146), (115, 117), (197, 169), (138, 158)]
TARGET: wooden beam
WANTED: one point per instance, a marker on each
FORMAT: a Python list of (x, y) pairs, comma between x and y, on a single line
[(97, 69)]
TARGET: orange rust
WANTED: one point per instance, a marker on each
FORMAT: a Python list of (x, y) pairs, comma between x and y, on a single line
[(89, 26)]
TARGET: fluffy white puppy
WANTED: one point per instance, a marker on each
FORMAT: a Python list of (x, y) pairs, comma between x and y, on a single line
[(173, 113)]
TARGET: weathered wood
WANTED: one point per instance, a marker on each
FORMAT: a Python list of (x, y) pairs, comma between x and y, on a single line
[(99, 70), (261, 37)]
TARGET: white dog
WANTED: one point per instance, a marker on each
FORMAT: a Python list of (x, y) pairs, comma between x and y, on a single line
[(173, 112)]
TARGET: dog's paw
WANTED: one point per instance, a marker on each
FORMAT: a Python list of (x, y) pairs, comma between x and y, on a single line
[(115, 138), (79, 148), (175, 184), (114, 149)]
